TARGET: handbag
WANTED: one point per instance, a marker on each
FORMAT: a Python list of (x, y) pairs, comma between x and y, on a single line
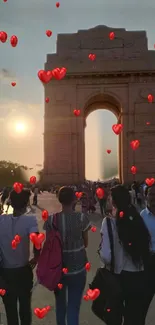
[(109, 304)]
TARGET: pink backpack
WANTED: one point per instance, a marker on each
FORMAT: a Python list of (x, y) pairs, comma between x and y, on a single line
[(49, 269)]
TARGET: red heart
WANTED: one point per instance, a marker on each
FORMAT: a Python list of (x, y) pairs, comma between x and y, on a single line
[(88, 266), (100, 192), (65, 270), (93, 294), (40, 313), (117, 128), (45, 215), (134, 144), (60, 286), (3, 37), (47, 99), (32, 180), (148, 123), (13, 84), (14, 40), (76, 112), (149, 181), (17, 239), (2, 292), (93, 229), (45, 76), (57, 4), (86, 297), (133, 170), (14, 244), (121, 214), (150, 98), (108, 310), (48, 33), (92, 57), (59, 73), (37, 239), (108, 151), (112, 36)]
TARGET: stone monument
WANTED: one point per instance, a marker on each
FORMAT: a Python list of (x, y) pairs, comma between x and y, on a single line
[(120, 79)]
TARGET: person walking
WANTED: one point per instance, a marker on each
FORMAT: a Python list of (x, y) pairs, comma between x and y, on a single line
[(16, 269), (73, 228), (131, 254)]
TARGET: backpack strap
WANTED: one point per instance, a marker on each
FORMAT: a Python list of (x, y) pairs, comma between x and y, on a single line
[(111, 239)]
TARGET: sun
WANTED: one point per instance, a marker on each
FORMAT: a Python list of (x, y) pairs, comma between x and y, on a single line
[(20, 127)]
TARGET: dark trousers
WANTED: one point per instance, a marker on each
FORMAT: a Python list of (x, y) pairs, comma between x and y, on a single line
[(18, 285), (151, 280), (135, 294), (35, 199), (102, 204)]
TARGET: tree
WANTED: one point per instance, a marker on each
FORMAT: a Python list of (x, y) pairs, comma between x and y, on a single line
[(11, 172)]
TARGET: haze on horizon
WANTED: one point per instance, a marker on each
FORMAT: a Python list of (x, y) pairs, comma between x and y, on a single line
[(24, 104)]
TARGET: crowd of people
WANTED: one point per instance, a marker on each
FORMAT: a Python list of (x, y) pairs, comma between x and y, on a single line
[(131, 211)]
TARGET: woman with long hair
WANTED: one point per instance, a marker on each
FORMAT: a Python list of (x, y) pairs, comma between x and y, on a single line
[(131, 254)]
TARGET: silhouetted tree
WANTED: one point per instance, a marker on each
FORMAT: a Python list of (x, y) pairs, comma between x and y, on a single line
[(11, 172)]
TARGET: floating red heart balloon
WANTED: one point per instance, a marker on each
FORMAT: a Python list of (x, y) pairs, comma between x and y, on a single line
[(33, 180), (121, 214), (148, 123), (57, 4), (45, 215), (40, 313), (93, 294), (150, 181), (134, 144), (59, 73), (13, 84), (3, 37), (92, 57), (86, 297), (117, 128), (48, 308), (88, 266), (14, 244), (37, 239), (65, 270), (60, 286), (93, 229), (49, 33), (108, 151), (112, 36), (108, 310), (5, 0), (14, 40), (47, 99), (2, 292), (134, 170), (45, 76), (17, 239), (18, 187), (76, 112), (150, 98), (100, 192), (130, 244)]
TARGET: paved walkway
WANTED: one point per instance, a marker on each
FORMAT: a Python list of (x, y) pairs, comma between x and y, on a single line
[(42, 297)]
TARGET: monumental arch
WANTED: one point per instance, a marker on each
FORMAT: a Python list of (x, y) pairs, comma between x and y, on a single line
[(121, 78)]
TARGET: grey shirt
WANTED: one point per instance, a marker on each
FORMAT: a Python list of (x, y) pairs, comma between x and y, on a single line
[(9, 227), (71, 226)]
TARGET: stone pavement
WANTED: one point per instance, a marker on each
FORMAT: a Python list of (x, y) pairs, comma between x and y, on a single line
[(42, 297)]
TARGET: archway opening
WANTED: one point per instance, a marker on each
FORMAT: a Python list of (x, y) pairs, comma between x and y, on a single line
[(102, 145)]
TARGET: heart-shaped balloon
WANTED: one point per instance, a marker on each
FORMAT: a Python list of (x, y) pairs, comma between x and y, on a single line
[(59, 73), (17, 238), (150, 98), (60, 286), (37, 239), (49, 33), (86, 297), (150, 181), (108, 151), (134, 170), (121, 214), (88, 266), (117, 128), (33, 180), (2, 292), (100, 192), (3, 37), (134, 144), (40, 313), (47, 100), (18, 187), (45, 215), (65, 270), (93, 229), (93, 294), (45, 76), (111, 36), (57, 4), (13, 84), (14, 244), (76, 112), (14, 40), (92, 57)]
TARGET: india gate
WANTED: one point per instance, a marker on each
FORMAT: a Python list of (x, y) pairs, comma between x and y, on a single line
[(119, 79)]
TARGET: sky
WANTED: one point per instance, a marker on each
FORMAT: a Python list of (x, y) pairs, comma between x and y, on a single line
[(24, 103)]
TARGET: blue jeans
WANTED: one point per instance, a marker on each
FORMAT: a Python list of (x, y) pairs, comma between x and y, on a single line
[(68, 299)]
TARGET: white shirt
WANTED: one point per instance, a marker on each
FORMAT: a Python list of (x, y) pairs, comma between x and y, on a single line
[(122, 260)]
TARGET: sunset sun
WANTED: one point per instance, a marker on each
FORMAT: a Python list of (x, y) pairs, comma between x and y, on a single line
[(20, 127)]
